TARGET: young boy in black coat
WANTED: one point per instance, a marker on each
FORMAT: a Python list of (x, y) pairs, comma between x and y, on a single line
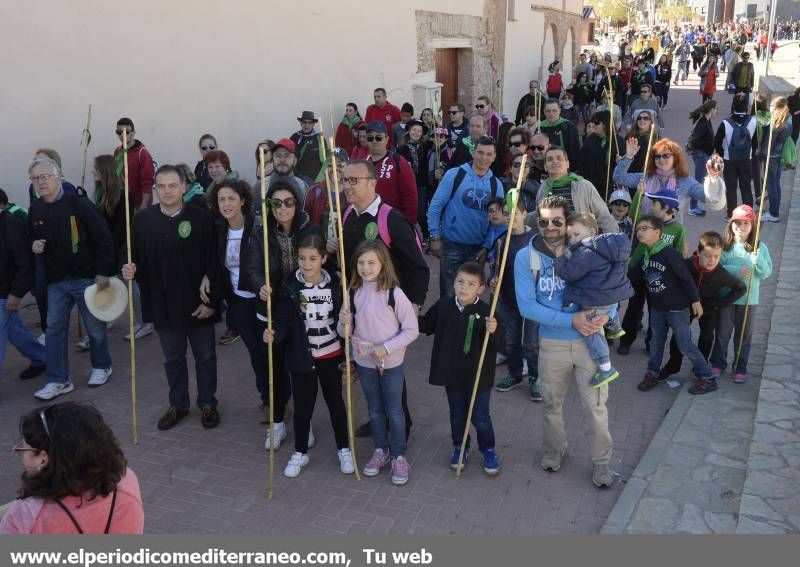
[(459, 324)]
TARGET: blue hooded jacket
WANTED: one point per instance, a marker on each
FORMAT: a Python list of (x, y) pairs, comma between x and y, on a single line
[(597, 271)]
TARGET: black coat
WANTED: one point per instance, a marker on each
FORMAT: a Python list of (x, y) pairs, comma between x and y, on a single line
[(594, 162), (16, 258)]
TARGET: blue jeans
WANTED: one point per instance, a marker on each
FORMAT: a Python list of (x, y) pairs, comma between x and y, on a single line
[(453, 255), (596, 342), (774, 186), (173, 345), (61, 296), (481, 420), (40, 289), (13, 330), (699, 158), (679, 322), (522, 341), (385, 400)]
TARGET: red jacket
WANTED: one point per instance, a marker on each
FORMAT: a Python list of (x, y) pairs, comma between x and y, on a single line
[(141, 173), (345, 138), (625, 77), (389, 115), (397, 185)]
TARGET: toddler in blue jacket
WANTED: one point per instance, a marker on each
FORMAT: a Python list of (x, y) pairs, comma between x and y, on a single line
[(595, 269)]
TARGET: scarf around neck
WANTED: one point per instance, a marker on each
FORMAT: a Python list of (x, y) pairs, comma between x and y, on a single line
[(349, 122), (649, 252), (565, 181), (656, 182)]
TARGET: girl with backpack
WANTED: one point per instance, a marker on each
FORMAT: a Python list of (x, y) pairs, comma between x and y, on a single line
[(555, 84), (305, 322), (383, 323)]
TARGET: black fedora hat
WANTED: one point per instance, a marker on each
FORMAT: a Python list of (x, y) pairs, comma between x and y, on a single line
[(307, 115)]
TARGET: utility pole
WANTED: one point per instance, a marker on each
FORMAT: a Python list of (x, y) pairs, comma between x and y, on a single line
[(771, 32)]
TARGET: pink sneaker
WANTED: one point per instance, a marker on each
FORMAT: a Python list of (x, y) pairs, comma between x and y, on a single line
[(716, 372), (379, 460), (740, 378), (400, 470)]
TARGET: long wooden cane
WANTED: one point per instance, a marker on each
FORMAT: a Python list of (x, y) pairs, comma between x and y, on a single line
[(329, 193), (755, 250), (130, 283), (514, 196), (346, 306), (86, 139), (611, 133), (644, 180), (265, 241)]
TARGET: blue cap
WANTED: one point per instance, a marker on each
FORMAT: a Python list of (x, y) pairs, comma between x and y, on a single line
[(377, 126), (669, 198)]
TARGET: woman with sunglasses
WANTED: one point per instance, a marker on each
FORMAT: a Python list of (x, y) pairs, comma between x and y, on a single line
[(76, 479), (643, 123), (491, 118), (287, 223), (594, 154), (206, 144)]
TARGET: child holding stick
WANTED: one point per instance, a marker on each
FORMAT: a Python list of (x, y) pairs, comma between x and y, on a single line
[(459, 325), (305, 321), (384, 323)]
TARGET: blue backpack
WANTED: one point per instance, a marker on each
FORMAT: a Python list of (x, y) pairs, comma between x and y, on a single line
[(741, 142)]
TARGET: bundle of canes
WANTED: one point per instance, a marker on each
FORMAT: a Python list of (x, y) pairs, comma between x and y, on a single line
[(331, 213), (346, 307), (755, 248), (644, 180), (86, 139), (265, 239), (130, 282), (512, 197)]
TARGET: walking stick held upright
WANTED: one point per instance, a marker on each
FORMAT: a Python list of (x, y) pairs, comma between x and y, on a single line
[(86, 139), (644, 180), (131, 329), (265, 237), (346, 305), (511, 198)]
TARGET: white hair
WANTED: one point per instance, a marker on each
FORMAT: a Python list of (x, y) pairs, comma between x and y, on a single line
[(45, 161)]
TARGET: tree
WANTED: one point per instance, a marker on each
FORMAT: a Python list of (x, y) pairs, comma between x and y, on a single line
[(616, 12)]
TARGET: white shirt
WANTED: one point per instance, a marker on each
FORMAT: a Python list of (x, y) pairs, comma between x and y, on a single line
[(232, 253)]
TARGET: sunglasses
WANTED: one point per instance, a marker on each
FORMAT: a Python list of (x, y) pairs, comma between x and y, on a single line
[(288, 202), (374, 138), (518, 164), (514, 144), (119, 132), (645, 118), (454, 112), (620, 204), (558, 223), (538, 148), (479, 106), (662, 156), (206, 148)]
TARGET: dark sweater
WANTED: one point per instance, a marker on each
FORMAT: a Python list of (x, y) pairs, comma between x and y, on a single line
[(518, 241), (172, 254), (16, 258), (450, 365), (670, 286), (702, 136), (718, 288), (90, 255)]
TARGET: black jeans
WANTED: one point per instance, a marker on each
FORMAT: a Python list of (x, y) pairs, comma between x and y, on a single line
[(304, 387), (756, 165), (242, 317), (738, 173), (708, 325), (282, 388), (173, 345)]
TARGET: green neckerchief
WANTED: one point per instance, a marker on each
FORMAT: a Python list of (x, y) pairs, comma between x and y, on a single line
[(558, 122), (603, 139), (565, 181), (657, 247), (349, 122), (762, 119), (467, 141), (194, 190)]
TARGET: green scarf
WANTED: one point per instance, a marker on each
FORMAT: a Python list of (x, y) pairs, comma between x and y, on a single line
[(603, 139), (469, 143), (551, 184), (558, 122), (762, 119), (648, 252), (194, 190), (349, 122)]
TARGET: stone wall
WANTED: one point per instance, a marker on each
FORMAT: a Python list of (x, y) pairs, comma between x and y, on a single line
[(559, 22)]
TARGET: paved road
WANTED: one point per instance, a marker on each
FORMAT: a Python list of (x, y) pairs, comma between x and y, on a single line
[(197, 481)]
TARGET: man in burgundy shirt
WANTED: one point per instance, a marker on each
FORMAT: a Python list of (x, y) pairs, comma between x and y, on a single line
[(397, 184), (382, 111), (141, 167)]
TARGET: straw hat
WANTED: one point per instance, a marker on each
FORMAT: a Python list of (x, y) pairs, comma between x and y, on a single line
[(109, 303)]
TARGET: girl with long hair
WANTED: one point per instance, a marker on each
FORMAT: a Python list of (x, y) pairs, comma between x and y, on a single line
[(701, 145), (779, 126)]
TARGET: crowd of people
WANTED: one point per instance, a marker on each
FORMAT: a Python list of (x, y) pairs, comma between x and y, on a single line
[(598, 223)]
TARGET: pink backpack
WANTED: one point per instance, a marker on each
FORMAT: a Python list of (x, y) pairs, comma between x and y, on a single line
[(383, 224)]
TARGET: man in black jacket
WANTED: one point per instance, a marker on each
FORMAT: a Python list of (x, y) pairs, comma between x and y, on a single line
[(78, 249), (173, 248), (16, 278), (306, 142)]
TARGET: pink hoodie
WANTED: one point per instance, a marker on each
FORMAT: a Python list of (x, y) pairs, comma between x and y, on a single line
[(377, 323)]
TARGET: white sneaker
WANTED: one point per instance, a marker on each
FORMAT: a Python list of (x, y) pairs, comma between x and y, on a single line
[(99, 376), (280, 435), (295, 465), (500, 358), (41, 339), (140, 331), (83, 344), (54, 389), (766, 217), (346, 461), (311, 439)]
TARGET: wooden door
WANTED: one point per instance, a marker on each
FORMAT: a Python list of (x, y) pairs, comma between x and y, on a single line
[(446, 62)]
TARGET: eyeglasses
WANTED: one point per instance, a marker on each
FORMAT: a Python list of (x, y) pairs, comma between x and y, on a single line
[(480, 106), (353, 180), (662, 156), (538, 148), (288, 202), (558, 223), (644, 228), (374, 138), (42, 177), (207, 148), (454, 112), (514, 144), (119, 132)]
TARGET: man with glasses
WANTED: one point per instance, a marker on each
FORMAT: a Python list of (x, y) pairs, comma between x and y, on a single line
[(579, 194), (540, 143), (562, 132), (457, 215), (563, 355), (397, 184), (532, 98), (306, 142), (74, 238), (359, 182), (284, 160), (174, 248), (141, 165), (519, 139), (457, 127), (645, 102), (382, 111)]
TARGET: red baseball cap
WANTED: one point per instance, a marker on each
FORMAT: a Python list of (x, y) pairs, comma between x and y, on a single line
[(743, 213), (285, 143)]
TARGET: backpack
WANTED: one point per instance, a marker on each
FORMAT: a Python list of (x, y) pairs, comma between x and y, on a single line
[(460, 175), (383, 224), (741, 142), (554, 83)]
